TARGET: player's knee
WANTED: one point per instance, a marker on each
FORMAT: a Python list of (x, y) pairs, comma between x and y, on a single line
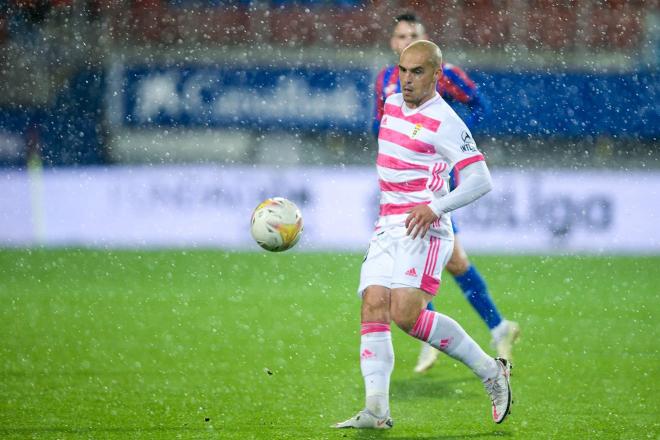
[(403, 322), (375, 306), (458, 264), (407, 304), (404, 317)]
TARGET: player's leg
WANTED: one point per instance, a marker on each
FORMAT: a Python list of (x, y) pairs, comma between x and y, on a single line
[(376, 361), (376, 351), (408, 310), (428, 355), (442, 332), (476, 291)]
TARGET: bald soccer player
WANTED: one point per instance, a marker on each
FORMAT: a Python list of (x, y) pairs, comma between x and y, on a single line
[(457, 89), (421, 138)]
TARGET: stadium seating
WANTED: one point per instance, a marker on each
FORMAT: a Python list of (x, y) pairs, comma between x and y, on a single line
[(617, 24), (489, 24), (562, 34), (607, 24)]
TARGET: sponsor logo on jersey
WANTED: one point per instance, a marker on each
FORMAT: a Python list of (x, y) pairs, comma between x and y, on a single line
[(469, 146)]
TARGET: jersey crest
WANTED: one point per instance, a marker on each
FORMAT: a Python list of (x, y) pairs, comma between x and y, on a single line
[(416, 130)]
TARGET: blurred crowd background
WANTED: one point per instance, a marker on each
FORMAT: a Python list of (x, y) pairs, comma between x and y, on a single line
[(571, 83)]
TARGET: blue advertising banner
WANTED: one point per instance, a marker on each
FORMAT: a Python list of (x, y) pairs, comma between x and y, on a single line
[(521, 103), (570, 103), (256, 97)]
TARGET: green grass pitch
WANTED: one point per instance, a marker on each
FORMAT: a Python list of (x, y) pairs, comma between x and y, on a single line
[(221, 345)]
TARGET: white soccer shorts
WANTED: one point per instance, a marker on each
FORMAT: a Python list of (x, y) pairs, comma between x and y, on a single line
[(395, 260)]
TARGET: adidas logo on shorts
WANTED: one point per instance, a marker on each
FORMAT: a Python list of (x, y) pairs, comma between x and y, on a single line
[(411, 272)]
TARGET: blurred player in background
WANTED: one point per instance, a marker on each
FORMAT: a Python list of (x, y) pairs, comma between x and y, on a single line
[(420, 141), (455, 87)]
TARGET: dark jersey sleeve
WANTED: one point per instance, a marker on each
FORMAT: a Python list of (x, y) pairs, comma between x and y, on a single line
[(457, 86), (379, 104)]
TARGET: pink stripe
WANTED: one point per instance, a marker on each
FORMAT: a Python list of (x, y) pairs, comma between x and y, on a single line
[(462, 164), (429, 324), (386, 161), (418, 325), (402, 208), (428, 256), (429, 284), (423, 325), (465, 162), (422, 320), (404, 141), (374, 327), (434, 177), (434, 258), (437, 181), (432, 255), (428, 123), (441, 168), (407, 186)]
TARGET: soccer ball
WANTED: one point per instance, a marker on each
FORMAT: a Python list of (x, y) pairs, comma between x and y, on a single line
[(276, 224)]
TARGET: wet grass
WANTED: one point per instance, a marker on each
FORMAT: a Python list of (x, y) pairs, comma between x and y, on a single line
[(203, 344)]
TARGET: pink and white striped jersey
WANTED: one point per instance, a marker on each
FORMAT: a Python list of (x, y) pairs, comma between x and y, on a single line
[(417, 148)]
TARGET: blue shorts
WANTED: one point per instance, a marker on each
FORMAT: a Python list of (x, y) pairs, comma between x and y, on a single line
[(453, 226)]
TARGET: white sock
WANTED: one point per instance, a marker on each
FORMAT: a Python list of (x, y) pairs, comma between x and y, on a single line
[(448, 336), (500, 330), (377, 363)]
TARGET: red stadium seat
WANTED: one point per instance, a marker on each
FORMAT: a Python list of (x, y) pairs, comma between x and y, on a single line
[(552, 24), (293, 26), (150, 21), (356, 26), (222, 25), (615, 24), (485, 23)]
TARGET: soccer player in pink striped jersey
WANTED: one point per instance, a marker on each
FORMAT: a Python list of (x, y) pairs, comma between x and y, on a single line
[(421, 138), (456, 87)]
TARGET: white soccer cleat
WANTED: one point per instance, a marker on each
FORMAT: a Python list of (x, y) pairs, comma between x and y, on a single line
[(503, 343), (499, 390), (365, 419), (427, 358)]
